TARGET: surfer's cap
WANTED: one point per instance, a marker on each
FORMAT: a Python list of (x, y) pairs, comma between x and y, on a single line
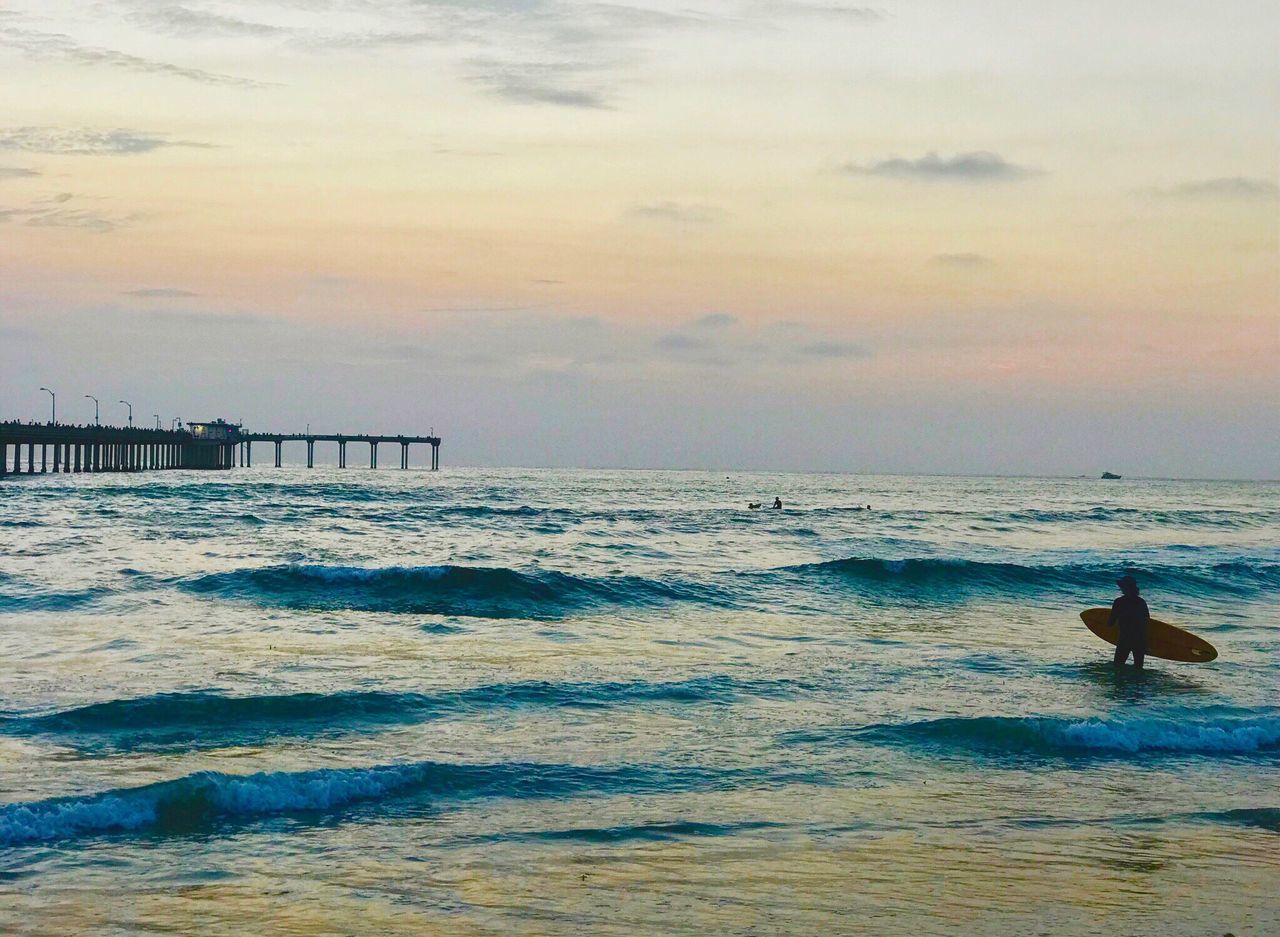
[(1127, 582)]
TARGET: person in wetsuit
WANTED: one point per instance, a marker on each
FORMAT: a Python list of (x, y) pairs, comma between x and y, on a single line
[(1131, 614), (777, 504)]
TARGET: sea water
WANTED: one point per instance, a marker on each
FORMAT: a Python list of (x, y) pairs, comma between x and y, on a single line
[(281, 701)]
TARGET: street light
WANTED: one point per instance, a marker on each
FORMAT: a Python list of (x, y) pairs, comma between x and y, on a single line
[(54, 402), (157, 416), (130, 406), (96, 422)]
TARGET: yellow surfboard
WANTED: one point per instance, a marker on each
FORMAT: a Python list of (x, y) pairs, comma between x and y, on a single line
[(1163, 639)]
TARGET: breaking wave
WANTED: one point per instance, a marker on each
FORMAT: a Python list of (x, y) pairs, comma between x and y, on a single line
[(958, 574), (1065, 736), (202, 800), (213, 719), (445, 590)]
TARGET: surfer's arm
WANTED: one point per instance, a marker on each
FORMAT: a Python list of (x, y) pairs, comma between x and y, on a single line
[(1115, 616)]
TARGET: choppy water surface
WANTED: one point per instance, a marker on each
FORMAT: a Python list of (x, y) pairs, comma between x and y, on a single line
[(519, 702)]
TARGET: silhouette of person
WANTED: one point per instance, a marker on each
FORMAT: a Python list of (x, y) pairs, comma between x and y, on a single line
[(777, 504), (1131, 614)]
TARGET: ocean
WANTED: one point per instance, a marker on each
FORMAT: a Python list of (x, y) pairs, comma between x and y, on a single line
[(281, 701)]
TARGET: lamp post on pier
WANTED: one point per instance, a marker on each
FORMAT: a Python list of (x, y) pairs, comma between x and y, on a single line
[(157, 416), (53, 400), (96, 421), (130, 406)]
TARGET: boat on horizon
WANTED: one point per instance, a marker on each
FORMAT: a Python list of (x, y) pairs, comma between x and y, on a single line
[(1110, 475)]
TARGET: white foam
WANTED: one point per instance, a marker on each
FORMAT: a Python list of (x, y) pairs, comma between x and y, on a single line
[(366, 573), (220, 794), (318, 790), (48, 820), (1242, 735)]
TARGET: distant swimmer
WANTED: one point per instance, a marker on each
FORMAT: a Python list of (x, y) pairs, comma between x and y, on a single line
[(1130, 613), (754, 505), (777, 504)]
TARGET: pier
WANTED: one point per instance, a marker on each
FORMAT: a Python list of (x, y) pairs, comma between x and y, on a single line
[(279, 439), (35, 448)]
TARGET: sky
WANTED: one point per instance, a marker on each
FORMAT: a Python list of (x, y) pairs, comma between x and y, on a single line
[(929, 236)]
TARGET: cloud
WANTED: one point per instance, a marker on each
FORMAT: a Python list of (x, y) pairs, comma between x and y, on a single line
[(961, 260), (184, 21), (41, 45), (371, 39), (17, 172), (551, 52), (675, 341), (835, 11), (829, 349), (84, 142), (675, 211), (531, 52), (160, 292), (99, 222), (537, 84), (978, 166), (1241, 188), (42, 213), (715, 320)]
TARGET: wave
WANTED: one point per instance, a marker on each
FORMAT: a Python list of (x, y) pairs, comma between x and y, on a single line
[(1064, 736), (467, 591), (1266, 818), (1140, 517), (39, 601), (484, 510), (941, 573), (673, 830), (212, 719), (200, 801)]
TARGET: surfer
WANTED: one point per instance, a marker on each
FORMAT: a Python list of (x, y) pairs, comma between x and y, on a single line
[(1130, 613), (777, 504)]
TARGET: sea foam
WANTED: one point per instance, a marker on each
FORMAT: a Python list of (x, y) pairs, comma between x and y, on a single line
[(198, 801), (1064, 736)]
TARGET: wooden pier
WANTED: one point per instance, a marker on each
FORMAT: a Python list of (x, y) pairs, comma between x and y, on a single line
[(279, 439), (34, 448)]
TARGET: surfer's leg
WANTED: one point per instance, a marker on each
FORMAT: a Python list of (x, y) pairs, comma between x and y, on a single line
[(1122, 651), (1138, 655)]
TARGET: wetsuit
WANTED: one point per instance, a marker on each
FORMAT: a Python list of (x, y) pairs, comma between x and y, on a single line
[(1131, 614)]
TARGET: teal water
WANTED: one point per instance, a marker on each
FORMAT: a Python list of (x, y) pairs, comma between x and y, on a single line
[(548, 702)]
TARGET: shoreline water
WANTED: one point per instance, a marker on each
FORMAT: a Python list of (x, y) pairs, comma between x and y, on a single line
[(617, 702)]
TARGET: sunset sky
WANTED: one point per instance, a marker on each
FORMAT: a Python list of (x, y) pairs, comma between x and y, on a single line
[(940, 236)]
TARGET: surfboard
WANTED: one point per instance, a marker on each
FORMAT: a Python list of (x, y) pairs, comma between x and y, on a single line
[(1164, 640)]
